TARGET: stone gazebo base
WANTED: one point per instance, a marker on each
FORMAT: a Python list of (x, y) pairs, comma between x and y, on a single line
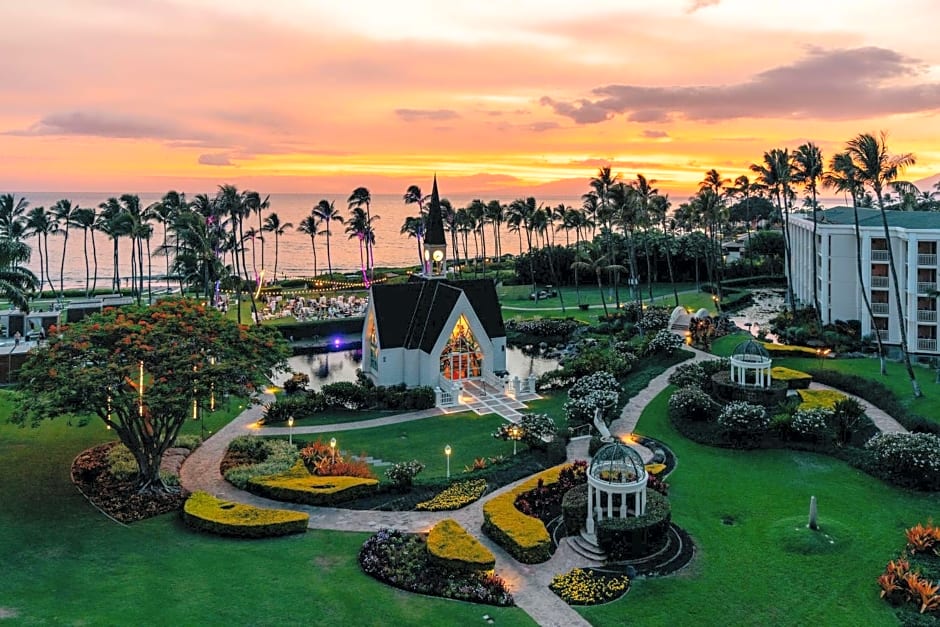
[(725, 389)]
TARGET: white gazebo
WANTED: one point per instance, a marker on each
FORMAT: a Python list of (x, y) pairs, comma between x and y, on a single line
[(616, 484), (750, 365)]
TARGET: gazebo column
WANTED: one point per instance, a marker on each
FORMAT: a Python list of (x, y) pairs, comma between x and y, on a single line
[(589, 523), (610, 505), (623, 505)]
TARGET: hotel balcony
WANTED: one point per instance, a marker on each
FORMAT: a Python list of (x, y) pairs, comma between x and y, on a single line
[(879, 281), (926, 345), (926, 315), (879, 308), (925, 288), (879, 255), (926, 260), (882, 334)]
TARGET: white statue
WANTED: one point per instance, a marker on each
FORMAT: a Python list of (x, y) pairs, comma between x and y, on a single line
[(601, 427)]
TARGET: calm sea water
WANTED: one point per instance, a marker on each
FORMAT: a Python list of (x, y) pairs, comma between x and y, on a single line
[(295, 257)]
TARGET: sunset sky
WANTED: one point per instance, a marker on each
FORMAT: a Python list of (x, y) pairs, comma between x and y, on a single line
[(310, 95)]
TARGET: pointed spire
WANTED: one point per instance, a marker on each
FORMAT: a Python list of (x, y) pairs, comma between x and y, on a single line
[(434, 233)]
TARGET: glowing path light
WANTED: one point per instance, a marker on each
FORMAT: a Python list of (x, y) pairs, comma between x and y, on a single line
[(260, 283), (140, 391)]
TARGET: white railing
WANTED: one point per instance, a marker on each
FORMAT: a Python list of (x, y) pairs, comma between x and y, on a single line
[(926, 345), (447, 393), (926, 286), (926, 315), (499, 383), (879, 308), (879, 255), (879, 281), (926, 260), (882, 334)]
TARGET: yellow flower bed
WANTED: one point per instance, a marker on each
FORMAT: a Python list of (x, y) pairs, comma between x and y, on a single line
[(450, 544), (207, 513), (795, 379), (454, 496), (524, 537), (781, 350), (826, 399), (297, 485), (585, 587)]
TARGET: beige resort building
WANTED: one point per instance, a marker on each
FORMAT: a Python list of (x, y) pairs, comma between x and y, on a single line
[(914, 238)]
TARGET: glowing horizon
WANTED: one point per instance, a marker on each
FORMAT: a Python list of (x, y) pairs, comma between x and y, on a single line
[(148, 95)]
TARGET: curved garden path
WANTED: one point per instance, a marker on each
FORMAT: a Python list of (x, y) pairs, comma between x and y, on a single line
[(528, 582)]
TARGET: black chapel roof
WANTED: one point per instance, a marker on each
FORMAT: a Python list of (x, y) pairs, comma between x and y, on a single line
[(434, 234), (412, 315)]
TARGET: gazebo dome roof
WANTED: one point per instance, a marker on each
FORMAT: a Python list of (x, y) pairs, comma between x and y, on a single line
[(617, 463), (750, 348)]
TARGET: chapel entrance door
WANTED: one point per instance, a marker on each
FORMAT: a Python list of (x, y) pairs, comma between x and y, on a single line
[(461, 357)]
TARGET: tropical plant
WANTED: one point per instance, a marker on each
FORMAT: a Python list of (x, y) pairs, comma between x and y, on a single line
[(808, 170), (309, 226), (40, 223), (273, 224)]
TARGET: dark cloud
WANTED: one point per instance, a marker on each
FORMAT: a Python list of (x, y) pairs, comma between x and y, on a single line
[(825, 84), (215, 159), (414, 115), (99, 124), (695, 5), (653, 134)]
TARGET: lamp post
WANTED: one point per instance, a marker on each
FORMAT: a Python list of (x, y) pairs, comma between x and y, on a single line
[(290, 433), (447, 451), (514, 434), (333, 449)]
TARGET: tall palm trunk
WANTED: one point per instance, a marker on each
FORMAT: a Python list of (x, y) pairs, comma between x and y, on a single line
[(672, 278), (65, 243), (329, 261), (149, 274), (45, 242), (42, 280), (897, 295), (87, 269), (858, 262)]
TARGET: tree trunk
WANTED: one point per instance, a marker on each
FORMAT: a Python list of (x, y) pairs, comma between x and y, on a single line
[(815, 261), (65, 243), (87, 270), (861, 283)]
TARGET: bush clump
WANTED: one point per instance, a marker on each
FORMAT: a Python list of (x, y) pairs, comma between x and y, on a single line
[(452, 547), (403, 561), (743, 422), (811, 425), (251, 456), (599, 390), (690, 374), (665, 342), (635, 536), (908, 459), (692, 403), (402, 474)]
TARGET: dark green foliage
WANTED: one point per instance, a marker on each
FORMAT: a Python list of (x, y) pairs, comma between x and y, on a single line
[(847, 415), (692, 404), (297, 383), (574, 509), (691, 374), (634, 536), (549, 330), (349, 396)]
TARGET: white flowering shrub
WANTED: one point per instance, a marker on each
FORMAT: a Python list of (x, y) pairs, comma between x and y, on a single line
[(692, 403), (403, 474), (742, 420), (811, 424), (654, 319), (598, 390), (688, 374), (908, 459), (665, 342)]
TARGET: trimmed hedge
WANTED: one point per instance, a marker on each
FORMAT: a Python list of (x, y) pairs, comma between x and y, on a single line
[(454, 496), (795, 379), (825, 399), (725, 389), (450, 545), (786, 350), (574, 509), (204, 512), (297, 485), (523, 537), (635, 536)]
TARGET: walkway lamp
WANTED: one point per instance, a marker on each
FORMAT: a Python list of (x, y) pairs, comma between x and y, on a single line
[(515, 433), (290, 433), (333, 449), (447, 451)]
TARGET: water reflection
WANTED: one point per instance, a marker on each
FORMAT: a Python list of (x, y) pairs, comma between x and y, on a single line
[(323, 368)]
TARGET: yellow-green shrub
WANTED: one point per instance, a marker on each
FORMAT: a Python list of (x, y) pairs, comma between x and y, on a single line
[(450, 545), (523, 537), (786, 350), (205, 512), (795, 379), (827, 399), (454, 496), (297, 485)]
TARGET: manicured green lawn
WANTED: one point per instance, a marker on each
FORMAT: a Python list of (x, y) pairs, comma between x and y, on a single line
[(896, 380), (469, 435), (742, 575), (337, 416), (64, 563)]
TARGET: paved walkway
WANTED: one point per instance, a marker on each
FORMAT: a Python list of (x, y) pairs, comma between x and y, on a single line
[(528, 582)]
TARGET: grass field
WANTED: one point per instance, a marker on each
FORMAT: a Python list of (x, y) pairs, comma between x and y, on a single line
[(742, 573), (65, 563)]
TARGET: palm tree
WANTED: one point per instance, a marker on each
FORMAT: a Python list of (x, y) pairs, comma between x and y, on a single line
[(602, 184), (743, 188), (63, 211), (477, 211), (842, 177), (775, 173), (361, 197), (273, 224), (16, 281), (137, 230), (309, 226), (658, 210), (495, 215), (522, 216), (413, 196), (110, 222), (593, 259), (326, 212), (165, 211), (84, 218), (413, 227), (876, 168), (807, 170), (356, 226), (198, 238), (644, 195), (39, 223), (11, 214)]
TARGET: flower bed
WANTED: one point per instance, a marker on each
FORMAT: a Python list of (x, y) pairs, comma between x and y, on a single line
[(911, 582), (825, 399), (908, 459), (455, 496), (450, 546), (586, 587), (298, 486), (786, 350), (205, 512), (402, 560), (795, 379), (523, 537)]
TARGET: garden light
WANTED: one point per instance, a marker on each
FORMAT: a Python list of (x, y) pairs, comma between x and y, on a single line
[(290, 433), (447, 451)]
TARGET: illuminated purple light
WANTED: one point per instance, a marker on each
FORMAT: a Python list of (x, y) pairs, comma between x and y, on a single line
[(336, 342)]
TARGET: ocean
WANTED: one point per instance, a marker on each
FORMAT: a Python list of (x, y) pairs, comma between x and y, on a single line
[(295, 257)]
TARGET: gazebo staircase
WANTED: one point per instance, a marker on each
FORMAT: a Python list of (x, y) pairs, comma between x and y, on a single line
[(585, 545)]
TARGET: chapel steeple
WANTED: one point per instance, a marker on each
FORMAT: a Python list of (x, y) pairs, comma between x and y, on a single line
[(435, 246)]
